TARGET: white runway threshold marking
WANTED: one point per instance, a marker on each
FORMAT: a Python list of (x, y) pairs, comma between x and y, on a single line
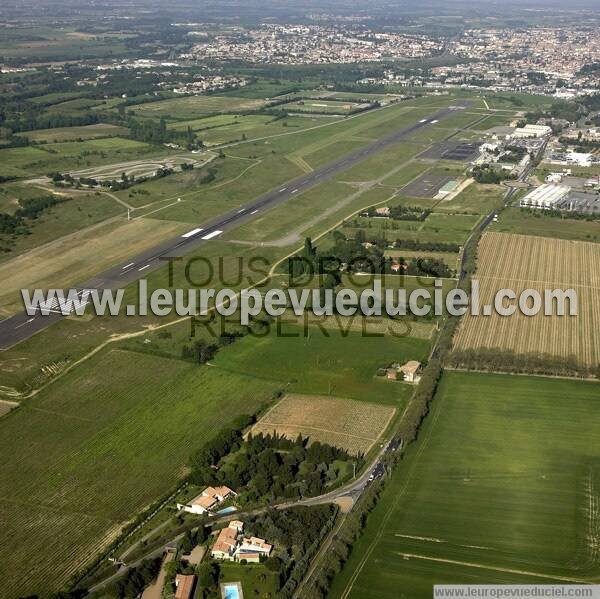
[(144, 267), (423, 121), (295, 190), (434, 122), (213, 234), (191, 233), (254, 211), (65, 305), (127, 265)]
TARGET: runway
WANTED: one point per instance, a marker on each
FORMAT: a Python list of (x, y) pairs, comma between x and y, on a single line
[(22, 326)]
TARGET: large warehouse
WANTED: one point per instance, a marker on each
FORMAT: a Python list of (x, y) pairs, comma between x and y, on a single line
[(545, 197)]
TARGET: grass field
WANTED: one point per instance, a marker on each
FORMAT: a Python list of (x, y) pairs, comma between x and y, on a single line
[(520, 262), (323, 106), (76, 133), (70, 155), (352, 425), (535, 222), (501, 487), (256, 579), (77, 257), (190, 107), (91, 451), (437, 227), (342, 364)]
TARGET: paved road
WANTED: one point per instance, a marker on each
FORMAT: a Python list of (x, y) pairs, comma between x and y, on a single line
[(22, 326)]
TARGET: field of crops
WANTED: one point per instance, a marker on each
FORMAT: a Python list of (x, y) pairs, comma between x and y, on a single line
[(520, 262), (95, 448), (351, 425), (502, 487)]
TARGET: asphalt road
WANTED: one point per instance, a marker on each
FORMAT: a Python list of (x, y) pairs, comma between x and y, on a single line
[(17, 328)]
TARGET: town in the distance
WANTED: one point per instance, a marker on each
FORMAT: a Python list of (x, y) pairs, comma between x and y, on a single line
[(338, 151)]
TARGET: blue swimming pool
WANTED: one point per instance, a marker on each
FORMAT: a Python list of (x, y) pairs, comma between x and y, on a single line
[(230, 591), (227, 510)]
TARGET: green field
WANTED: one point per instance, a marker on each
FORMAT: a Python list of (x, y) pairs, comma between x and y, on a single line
[(70, 155), (338, 365), (323, 106), (531, 222), (502, 486), (75, 133), (437, 227), (475, 199), (91, 451), (190, 107)]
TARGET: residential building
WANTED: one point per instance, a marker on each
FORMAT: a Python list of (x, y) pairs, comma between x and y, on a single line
[(209, 498), (411, 371), (184, 586), (252, 549)]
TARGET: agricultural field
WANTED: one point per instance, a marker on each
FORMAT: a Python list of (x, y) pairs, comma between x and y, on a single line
[(75, 133), (437, 227), (190, 107), (91, 451), (335, 362), (519, 262), (352, 425), (501, 487), (535, 222)]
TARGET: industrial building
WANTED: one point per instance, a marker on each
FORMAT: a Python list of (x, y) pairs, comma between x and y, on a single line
[(532, 131), (545, 197)]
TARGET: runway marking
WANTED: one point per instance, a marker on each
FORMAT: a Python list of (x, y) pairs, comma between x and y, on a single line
[(143, 267), (283, 189), (423, 121), (434, 122), (294, 191), (192, 232), (128, 265), (254, 211), (213, 234), (64, 305), (241, 210), (24, 323)]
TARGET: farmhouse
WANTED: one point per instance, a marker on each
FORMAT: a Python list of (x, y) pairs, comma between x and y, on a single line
[(184, 586), (409, 372), (209, 498)]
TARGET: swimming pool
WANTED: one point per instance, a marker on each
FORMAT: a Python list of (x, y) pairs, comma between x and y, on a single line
[(227, 510), (231, 591)]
